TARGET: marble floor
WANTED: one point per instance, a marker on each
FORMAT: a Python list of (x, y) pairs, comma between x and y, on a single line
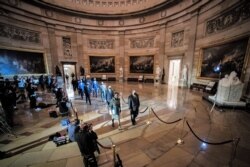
[(175, 128)]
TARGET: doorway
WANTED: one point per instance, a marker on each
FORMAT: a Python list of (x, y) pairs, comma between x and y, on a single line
[(68, 69), (174, 72)]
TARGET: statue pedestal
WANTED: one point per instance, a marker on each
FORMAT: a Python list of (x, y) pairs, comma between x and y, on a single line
[(183, 83), (228, 96), (121, 79), (157, 81)]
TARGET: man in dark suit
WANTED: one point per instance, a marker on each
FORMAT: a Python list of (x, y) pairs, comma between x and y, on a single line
[(134, 104)]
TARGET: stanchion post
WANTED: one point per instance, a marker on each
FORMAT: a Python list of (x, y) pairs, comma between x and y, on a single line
[(76, 113), (149, 116), (114, 152), (233, 153), (180, 140)]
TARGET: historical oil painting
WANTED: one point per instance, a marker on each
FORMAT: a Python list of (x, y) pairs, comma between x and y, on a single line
[(219, 60), (142, 64), (14, 62), (102, 64)]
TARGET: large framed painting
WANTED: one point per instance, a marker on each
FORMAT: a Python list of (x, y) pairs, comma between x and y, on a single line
[(14, 62), (217, 61), (141, 64), (102, 64)]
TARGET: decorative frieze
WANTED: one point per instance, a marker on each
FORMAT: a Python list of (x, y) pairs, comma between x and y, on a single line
[(17, 33), (177, 39), (142, 19), (77, 19), (101, 44), (109, 3), (48, 13), (121, 22), (100, 22), (230, 18), (13, 2), (4, 12), (163, 13), (67, 47), (147, 42)]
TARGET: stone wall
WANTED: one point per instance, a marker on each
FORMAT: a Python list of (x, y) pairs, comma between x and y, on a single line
[(180, 31)]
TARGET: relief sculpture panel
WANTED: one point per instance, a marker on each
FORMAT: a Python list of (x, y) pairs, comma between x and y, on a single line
[(142, 42), (177, 39), (230, 18), (67, 47), (101, 44), (17, 33)]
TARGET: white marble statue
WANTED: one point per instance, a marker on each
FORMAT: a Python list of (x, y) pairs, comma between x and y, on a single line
[(229, 89), (184, 73), (158, 72), (121, 72)]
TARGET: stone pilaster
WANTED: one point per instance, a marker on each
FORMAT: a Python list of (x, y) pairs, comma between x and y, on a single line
[(162, 54), (53, 47), (191, 45), (246, 73), (121, 55), (79, 52)]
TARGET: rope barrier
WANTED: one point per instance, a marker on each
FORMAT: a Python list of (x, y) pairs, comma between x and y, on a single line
[(215, 143), (105, 147), (144, 110), (164, 121), (124, 100), (233, 153)]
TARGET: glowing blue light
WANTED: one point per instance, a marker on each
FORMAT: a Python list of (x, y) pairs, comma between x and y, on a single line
[(203, 145), (217, 68)]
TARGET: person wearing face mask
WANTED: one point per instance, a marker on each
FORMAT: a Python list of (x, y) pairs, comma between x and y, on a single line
[(115, 106)]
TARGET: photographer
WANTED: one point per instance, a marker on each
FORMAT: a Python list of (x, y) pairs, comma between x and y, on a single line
[(86, 145)]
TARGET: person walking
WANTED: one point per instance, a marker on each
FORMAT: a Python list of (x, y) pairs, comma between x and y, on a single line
[(109, 97), (81, 85), (115, 106), (103, 88), (95, 88), (87, 93), (134, 104)]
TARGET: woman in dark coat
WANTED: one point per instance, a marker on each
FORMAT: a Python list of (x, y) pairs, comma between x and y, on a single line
[(115, 106)]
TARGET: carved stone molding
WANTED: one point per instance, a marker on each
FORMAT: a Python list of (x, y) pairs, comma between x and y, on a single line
[(163, 13), (110, 3), (49, 13), (100, 22), (101, 44), (4, 12), (77, 19), (142, 20), (177, 39), (230, 18), (17, 33), (67, 47), (147, 42), (13, 2), (121, 22)]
